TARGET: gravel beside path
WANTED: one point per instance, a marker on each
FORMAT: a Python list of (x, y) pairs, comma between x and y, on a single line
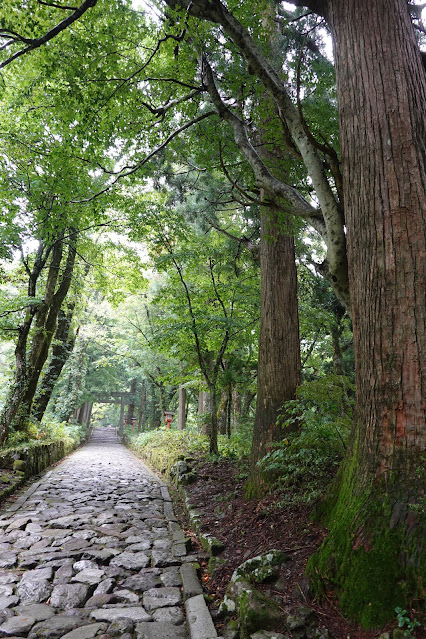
[(94, 550)]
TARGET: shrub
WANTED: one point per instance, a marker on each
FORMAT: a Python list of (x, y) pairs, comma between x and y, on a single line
[(304, 462)]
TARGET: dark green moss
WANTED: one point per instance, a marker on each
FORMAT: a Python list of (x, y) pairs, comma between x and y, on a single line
[(374, 556)]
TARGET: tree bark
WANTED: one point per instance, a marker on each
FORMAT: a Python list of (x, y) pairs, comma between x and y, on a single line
[(222, 412), (142, 406), (131, 406), (279, 365), (337, 351), (121, 419), (29, 365), (375, 553), (182, 409), (204, 411), (236, 408), (88, 416), (63, 345)]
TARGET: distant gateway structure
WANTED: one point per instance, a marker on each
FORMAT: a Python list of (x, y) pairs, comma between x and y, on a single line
[(124, 398)]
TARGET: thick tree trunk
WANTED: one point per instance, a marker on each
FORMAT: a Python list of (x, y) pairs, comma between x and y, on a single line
[(29, 366), (279, 348), (375, 552)]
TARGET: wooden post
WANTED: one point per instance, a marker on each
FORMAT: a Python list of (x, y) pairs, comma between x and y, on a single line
[(182, 408)]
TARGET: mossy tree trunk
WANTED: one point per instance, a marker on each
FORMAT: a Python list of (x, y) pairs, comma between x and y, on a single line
[(36, 331), (63, 345), (375, 553)]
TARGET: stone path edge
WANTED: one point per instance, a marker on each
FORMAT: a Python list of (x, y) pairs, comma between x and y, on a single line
[(199, 620), (24, 479), (198, 617)]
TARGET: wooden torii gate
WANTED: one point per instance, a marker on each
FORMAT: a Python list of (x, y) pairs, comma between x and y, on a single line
[(119, 397)]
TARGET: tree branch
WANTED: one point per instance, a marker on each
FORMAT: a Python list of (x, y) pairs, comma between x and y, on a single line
[(299, 206), (38, 42), (149, 157)]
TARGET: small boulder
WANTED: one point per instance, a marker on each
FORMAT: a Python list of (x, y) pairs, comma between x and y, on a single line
[(254, 610), (261, 568)]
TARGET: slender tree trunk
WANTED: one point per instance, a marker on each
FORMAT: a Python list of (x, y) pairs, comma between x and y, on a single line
[(212, 426), (63, 345), (229, 412), (156, 413), (182, 408), (81, 413), (88, 415), (222, 413), (375, 553), (204, 411), (121, 420), (142, 406), (337, 351), (246, 403), (236, 408), (131, 406), (279, 348)]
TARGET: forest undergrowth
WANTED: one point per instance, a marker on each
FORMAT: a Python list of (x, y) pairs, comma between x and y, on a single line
[(299, 471)]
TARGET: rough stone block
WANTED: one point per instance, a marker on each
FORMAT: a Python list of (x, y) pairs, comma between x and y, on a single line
[(199, 620)]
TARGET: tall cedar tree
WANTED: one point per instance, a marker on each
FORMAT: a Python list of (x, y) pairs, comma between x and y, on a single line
[(375, 552)]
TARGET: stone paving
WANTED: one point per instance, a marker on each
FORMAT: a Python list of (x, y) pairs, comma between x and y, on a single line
[(94, 550)]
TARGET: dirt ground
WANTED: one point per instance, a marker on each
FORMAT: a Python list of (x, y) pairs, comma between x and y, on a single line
[(252, 527)]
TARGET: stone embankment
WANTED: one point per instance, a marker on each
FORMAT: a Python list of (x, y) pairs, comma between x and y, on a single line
[(94, 550)]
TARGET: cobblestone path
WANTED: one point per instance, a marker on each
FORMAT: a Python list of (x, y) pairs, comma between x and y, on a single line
[(94, 550)]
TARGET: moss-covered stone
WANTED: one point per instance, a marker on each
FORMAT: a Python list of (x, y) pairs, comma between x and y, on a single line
[(188, 478), (303, 618), (194, 518), (19, 465), (254, 610), (211, 544), (262, 568), (226, 608)]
